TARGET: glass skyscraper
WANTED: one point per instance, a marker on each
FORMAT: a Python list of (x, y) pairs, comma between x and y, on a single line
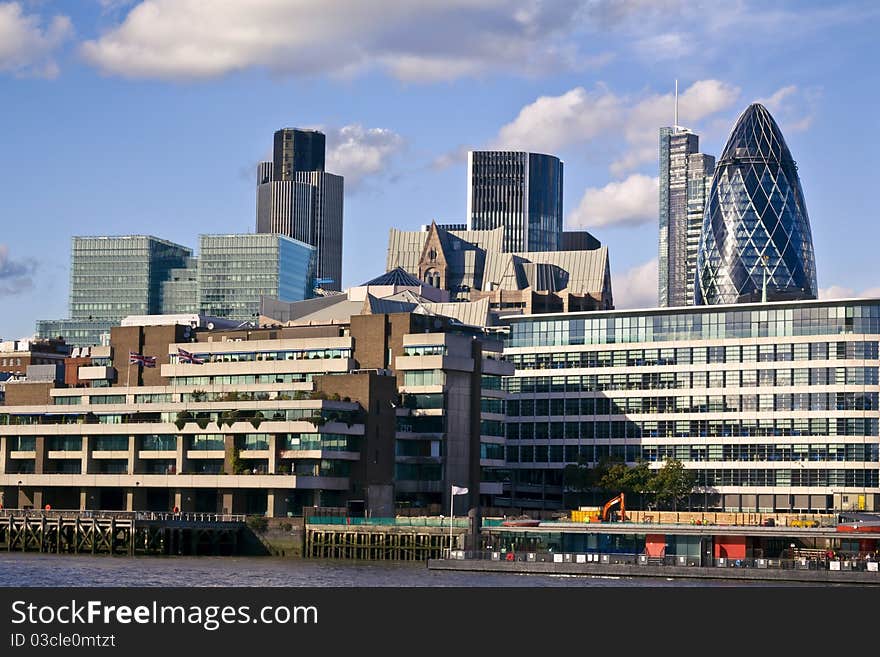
[(756, 221), (520, 192), (235, 270), (111, 277), (685, 176)]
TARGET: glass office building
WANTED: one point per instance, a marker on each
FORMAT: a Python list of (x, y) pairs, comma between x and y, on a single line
[(236, 270), (774, 406), (756, 221), (685, 176), (520, 192), (111, 277)]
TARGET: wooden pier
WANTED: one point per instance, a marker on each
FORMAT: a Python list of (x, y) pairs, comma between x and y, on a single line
[(120, 533), (373, 542)]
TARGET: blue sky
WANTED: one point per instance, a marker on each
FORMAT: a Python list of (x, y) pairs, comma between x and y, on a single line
[(121, 116)]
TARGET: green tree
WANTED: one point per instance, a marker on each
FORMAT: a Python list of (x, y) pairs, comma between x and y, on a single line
[(672, 483)]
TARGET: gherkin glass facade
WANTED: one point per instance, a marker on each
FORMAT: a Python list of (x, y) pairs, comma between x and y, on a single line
[(756, 220)]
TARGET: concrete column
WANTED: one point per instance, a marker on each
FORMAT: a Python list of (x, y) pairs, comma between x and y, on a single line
[(228, 451), (88, 499), (185, 499), (273, 455), (37, 497), (226, 501), (181, 464), (4, 453), (276, 504), (87, 446), (134, 463), (26, 497), (41, 455), (135, 499)]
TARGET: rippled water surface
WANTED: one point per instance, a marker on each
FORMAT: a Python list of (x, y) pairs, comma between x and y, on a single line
[(82, 570)]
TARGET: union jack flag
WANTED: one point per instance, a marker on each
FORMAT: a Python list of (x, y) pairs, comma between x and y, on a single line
[(187, 357), (139, 359)]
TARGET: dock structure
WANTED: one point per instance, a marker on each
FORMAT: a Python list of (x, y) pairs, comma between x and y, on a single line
[(380, 542), (115, 533)]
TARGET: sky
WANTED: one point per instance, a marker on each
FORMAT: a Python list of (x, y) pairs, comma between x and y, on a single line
[(149, 117)]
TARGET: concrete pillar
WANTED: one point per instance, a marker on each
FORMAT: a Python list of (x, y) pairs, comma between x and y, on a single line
[(4, 453), (185, 499), (181, 464), (41, 455), (26, 497), (228, 452), (87, 446), (273, 455), (134, 463), (37, 497), (226, 501), (135, 499), (88, 499), (276, 502)]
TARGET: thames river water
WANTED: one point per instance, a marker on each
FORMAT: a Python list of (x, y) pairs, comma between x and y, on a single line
[(82, 571)]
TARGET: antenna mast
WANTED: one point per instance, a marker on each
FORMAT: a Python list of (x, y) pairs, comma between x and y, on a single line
[(676, 104)]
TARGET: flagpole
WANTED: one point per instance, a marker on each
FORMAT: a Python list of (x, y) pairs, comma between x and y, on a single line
[(128, 372), (451, 510)]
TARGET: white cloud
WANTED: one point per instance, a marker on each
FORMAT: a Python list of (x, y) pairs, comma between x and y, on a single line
[(792, 107), (630, 202), (636, 287), (15, 275), (357, 152), (551, 122), (842, 292), (670, 45), (425, 40), (26, 46), (457, 155), (578, 116), (701, 100)]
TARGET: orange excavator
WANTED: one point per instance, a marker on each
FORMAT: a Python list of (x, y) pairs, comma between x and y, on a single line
[(606, 510)]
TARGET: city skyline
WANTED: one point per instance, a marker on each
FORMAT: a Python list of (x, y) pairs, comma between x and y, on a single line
[(588, 84)]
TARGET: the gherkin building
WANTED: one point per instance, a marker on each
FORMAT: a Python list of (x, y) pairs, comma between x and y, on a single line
[(756, 221)]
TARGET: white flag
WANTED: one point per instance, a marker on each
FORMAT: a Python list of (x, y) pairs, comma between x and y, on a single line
[(458, 490)]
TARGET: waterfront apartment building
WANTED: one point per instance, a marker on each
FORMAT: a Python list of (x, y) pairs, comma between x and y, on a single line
[(773, 406), (519, 192), (685, 177), (298, 198), (111, 277), (268, 420)]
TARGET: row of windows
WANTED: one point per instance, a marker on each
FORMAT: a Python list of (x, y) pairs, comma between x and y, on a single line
[(243, 379), (250, 356), (694, 380), (764, 353), (691, 429), (714, 452), (797, 401), (819, 319)]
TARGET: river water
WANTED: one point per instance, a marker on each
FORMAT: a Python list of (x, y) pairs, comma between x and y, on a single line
[(26, 569)]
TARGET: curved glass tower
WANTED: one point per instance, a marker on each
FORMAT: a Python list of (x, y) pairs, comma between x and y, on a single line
[(756, 221)]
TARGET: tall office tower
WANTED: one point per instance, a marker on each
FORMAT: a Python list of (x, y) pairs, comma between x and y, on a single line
[(111, 277), (685, 176), (234, 271), (297, 198), (756, 239), (297, 150), (520, 192)]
